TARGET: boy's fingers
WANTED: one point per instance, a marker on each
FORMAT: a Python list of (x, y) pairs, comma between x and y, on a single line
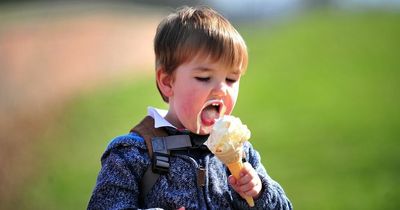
[(247, 174), (245, 179), (232, 180), (252, 184), (245, 188), (234, 183), (252, 193), (248, 184)]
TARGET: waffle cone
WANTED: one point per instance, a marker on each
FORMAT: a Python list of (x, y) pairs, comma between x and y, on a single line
[(233, 159), (235, 169)]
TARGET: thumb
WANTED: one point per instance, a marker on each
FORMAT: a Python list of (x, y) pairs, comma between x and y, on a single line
[(232, 180)]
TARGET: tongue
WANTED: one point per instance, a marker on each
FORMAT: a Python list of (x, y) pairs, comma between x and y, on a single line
[(209, 115)]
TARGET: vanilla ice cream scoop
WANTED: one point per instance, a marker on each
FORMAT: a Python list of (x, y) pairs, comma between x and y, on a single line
[(226, 142), (227, 136)]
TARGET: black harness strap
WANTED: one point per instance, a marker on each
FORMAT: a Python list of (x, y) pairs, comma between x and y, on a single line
[(158, 145), (146, 130)]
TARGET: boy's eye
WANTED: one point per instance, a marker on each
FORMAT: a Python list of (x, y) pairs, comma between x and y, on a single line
[(230, 80), (202, 79)]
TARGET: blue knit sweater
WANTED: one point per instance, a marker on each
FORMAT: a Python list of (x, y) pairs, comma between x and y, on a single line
[(126, 159)]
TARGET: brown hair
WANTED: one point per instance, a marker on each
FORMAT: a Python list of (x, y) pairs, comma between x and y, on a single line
[(193, 31)]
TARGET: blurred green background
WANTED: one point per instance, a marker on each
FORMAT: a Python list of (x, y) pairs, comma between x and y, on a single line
[(320, 97)]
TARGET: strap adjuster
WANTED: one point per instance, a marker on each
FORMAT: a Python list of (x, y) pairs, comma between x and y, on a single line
[(161, 150), (160, 163)]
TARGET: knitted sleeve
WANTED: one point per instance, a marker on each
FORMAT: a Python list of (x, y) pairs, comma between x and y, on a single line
[(272, 195), (123, 164)]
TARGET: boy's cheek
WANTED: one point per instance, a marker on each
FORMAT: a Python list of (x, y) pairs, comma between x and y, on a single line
[(189, 109)]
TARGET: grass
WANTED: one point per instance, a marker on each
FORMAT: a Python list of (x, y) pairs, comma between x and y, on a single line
[(321, 99), (326, 90)]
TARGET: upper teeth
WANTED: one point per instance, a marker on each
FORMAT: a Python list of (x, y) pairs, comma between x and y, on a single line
[(215, 104)]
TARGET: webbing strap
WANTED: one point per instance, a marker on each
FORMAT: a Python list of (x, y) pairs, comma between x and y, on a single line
[(148, 180), (163, 144), (146, 130), (158, 144)]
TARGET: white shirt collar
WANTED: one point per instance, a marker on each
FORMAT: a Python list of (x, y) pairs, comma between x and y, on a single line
[(158, 116)]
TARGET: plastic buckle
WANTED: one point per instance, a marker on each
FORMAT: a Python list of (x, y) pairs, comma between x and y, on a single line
[(160, 163), (161, 150), (160, 160), (159, 145)]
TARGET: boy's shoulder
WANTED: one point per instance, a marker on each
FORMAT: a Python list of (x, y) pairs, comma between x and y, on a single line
[(124, 142), (130, 139)]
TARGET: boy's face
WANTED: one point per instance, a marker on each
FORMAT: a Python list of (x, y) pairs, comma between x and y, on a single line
[(201, 92)]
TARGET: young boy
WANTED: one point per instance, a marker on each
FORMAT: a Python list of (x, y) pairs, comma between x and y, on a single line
[(200, 58)]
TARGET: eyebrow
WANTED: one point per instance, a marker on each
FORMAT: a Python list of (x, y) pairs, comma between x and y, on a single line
[(206, 69), (203, 68)]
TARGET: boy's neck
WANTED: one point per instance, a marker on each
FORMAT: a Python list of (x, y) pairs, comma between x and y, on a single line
[(171, 118)]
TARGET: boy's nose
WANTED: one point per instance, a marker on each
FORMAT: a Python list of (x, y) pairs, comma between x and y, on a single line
[(220, 89)]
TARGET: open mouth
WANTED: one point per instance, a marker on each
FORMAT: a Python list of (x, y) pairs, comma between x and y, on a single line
[(211, 111)]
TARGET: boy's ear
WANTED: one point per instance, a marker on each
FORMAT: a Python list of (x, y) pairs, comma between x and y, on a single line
[(164, 82)]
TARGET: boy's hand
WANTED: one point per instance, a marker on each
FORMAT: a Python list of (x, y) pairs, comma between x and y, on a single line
[(249, 182)]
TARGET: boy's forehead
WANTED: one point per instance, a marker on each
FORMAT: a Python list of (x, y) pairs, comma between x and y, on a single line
[(202, 62)]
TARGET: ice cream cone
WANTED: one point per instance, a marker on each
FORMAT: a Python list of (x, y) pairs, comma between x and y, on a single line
[(226, 142), (233, 160), (235, 169)]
